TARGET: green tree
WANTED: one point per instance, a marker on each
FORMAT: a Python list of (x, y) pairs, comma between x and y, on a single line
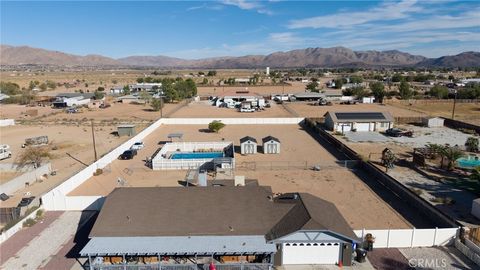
[(338, 83), (397, 78), (145, 96), (114, 81), (126, 90), (212, 73), (98, 95), (156, 104), (439, 91), (51, 84), (356, 79), (101, 88), (140, 80), (378, 90), (405, 91), (215, 126), (9, 88), (472, 144), (43, 86), (312, 86)]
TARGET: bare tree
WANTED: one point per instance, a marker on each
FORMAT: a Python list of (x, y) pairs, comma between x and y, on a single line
[(34, 155)]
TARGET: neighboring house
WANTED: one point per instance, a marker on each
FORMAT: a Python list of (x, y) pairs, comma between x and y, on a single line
[(304, 96), (116, 90), (63, 100), (353, 85), (358, 121), (247, 227), (242, 80), (138, 87), (271, 145), (130, 99), (248, 145)]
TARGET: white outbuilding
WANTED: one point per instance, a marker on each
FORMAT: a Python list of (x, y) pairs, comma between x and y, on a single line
[(248, 145), (271, 145), (433, 122)]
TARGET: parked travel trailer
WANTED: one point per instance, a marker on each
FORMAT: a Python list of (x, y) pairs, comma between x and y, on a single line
[(5, 151)]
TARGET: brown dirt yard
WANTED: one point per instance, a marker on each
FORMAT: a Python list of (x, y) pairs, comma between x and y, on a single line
[(360, 205), (467, 112), (118, 111), (72, 139)]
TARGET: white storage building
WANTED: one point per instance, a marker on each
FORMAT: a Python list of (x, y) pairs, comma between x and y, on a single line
[(433, 122), (271, 145), (358, 121), (248, 145)]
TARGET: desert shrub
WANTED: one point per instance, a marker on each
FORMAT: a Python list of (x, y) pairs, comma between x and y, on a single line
[(29, 222)]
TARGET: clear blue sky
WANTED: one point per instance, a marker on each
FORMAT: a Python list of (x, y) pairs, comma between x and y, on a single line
[(236, 27)]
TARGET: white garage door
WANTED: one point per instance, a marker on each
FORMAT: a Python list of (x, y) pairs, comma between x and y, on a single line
[(310, 253), (363, 126)]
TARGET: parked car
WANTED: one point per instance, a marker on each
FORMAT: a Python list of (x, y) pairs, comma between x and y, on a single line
[(247, 110), (349, 102), (72, 110), (397, 132), (25, 201), (137, 146), (128, 154), (5, 151)]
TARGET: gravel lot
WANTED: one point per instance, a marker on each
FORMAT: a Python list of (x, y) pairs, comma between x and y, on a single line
[(425, 135), (366, 137)]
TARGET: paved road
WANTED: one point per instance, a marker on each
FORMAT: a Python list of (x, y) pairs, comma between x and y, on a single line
[(19, 240), (49, 241)]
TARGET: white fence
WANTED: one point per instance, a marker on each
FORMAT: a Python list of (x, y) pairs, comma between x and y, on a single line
[(17, 227), (27, 177), (406, 238), (80, 203), (56, 200), (234, 121), (7, 122)]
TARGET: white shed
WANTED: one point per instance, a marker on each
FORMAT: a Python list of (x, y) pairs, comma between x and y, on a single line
[(433, 122), (248, 145), (271, 145)]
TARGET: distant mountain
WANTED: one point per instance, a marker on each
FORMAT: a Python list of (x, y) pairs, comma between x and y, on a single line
[(310, 57), (463, 60), (10, 55)]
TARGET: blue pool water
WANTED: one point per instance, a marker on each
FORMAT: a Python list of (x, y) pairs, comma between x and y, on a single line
[(468, 162), (196, 155)]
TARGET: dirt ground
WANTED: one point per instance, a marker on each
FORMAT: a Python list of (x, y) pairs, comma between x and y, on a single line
[(75, 140), (360, 205), (467, 112), (117, 112), (290, 88), (304, 109)]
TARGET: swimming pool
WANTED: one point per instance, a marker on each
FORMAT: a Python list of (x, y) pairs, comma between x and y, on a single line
[(196, 155), (468, 162)]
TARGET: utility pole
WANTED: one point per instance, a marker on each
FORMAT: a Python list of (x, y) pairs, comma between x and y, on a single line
[(94, 147), (454, 102)]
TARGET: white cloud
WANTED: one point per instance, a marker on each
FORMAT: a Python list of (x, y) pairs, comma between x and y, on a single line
[(344, 19), (248, 5)]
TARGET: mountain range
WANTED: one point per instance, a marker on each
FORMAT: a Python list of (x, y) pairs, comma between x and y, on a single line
[(310, 57)]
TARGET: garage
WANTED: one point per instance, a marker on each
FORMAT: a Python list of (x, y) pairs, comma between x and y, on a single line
[(311, 253), (362, 126)]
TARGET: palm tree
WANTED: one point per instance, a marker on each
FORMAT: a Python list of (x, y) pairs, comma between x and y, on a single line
[(434, 149), (452, 154)]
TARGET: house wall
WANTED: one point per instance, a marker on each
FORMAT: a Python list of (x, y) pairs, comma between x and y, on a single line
[(244, 148), (266, 147)]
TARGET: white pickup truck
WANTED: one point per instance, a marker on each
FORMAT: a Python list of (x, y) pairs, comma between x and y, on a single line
[(5, 151)]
